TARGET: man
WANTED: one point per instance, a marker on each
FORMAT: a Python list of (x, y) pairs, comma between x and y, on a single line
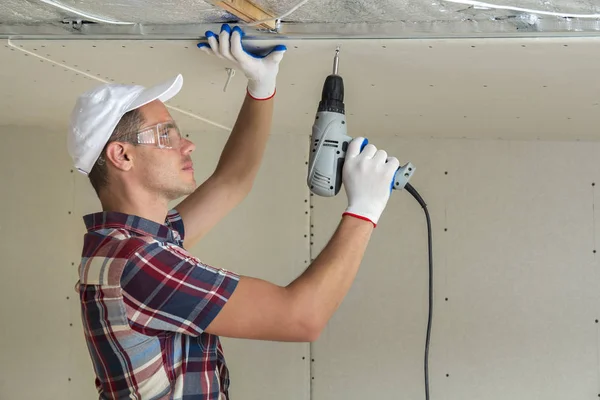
[(152, 312)]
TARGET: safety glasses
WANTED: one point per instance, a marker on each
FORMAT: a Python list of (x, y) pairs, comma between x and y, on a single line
[(165, 135)]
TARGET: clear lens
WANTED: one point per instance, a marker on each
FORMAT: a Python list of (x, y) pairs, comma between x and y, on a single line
[(146, 137), (164, 136)]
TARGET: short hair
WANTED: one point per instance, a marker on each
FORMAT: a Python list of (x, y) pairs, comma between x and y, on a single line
[(123, 132)]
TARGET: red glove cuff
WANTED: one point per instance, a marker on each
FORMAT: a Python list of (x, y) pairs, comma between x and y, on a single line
[(256, 98), (360, 217)]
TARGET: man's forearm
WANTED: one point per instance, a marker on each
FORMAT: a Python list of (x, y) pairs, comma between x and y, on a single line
[(319, 291), (243, 152)]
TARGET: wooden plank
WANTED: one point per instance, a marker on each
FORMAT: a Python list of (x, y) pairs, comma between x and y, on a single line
[(247, 11)]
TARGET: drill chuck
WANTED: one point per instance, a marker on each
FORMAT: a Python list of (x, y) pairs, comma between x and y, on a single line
[(332, 97)]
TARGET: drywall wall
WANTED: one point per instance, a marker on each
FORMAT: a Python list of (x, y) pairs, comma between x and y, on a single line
[(515, 274), (41, 237), (516, 279), (508, 177)]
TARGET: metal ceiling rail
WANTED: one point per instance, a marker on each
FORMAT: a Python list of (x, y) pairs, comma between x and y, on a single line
[(517, 26)]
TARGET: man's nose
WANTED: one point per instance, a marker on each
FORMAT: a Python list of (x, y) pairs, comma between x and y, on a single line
[(187, 146)]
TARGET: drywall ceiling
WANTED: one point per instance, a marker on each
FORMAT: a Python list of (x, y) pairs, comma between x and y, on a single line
[(526, 89), (389, 18)]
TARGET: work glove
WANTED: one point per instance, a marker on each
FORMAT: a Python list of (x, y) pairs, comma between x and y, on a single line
[(261, 70), (368, 178)]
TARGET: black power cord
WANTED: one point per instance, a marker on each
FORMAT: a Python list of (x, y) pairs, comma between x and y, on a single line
[(418, 197)]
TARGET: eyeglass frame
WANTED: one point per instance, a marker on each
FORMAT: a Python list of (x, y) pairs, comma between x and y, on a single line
[(156, 138)]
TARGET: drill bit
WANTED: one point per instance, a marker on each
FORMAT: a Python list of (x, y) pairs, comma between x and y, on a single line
[(336, 60)]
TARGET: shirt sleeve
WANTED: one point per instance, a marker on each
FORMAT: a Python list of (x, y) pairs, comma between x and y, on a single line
[(167, 289)]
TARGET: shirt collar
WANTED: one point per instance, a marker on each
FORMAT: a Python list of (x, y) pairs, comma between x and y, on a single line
[(142, 226)]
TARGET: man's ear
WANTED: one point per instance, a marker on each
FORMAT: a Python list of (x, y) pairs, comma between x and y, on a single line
[(120, 155)]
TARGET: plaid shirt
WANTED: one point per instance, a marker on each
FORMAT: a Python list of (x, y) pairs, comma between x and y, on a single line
[(145, 302)]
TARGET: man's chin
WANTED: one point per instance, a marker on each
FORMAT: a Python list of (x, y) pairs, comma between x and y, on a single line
[(191, 189), (183, 191)]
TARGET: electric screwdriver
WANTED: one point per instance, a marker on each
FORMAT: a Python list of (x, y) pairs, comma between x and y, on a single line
[(328, 144), (329, 141)]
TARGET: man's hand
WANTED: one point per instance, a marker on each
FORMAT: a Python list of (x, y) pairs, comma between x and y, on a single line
[(241, 157), (261, 70), (299, 311), (368, 178)]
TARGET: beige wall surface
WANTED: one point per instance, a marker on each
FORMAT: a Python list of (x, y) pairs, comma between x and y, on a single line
[(516, 279), (503, 136)]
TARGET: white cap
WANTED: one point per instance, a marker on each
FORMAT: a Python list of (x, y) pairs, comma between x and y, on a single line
[(99, 110)]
